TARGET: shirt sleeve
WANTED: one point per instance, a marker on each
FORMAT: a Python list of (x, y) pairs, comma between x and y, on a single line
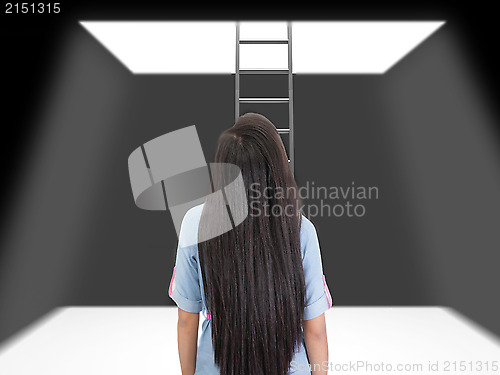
[(318, 298), (184, 286)]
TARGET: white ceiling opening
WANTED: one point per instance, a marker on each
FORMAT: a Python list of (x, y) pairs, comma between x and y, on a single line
[(205, 47)]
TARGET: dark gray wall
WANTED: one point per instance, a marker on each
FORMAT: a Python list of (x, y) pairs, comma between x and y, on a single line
[(419, 133)]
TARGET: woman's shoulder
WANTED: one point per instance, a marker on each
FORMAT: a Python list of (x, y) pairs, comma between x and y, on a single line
[(188, 235), (308, 234), (307, 227)]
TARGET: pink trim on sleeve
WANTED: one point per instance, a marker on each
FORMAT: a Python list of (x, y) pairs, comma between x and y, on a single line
[(327, 292), (171, 287)]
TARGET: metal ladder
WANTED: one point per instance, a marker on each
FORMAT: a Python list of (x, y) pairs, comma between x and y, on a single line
[(238, 100)]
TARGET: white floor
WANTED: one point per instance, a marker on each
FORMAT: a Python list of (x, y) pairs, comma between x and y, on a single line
[(143, 340)]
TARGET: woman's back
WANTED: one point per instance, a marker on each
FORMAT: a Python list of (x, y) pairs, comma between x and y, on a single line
[(187, 289)]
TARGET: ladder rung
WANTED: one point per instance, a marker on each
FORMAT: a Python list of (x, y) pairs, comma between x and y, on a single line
[(283, 131), (263, 100), (263, 71), (264, 41)]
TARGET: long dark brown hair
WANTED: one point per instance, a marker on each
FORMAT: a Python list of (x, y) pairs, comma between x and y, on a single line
[(252, 274)]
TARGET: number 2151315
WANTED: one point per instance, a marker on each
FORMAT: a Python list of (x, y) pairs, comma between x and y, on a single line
[(33, 8)]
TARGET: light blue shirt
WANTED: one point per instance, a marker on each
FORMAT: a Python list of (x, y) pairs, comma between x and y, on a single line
[(186, 288)]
